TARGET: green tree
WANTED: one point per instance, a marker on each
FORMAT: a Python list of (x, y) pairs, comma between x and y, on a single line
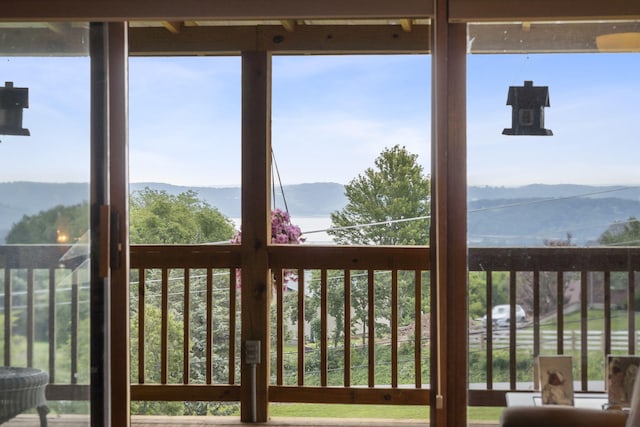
[(622, 234), (158, 217), (60, 224), (395, 195)]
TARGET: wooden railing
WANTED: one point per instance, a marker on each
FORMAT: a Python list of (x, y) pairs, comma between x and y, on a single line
[(368, 308), (552, 283), (41, 284)]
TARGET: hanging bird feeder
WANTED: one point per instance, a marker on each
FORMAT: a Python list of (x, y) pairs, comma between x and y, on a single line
[(12, 101), (528, 103)]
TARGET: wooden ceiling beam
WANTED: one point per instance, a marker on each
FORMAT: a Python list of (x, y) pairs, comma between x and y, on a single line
[(184, 10), (307, 39), (289, 25), (173, 26), (541, 10)]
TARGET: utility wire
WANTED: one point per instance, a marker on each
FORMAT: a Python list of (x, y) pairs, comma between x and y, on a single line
[(275, 167)]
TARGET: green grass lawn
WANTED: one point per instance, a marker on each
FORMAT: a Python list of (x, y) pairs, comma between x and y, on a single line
[(371, 411)]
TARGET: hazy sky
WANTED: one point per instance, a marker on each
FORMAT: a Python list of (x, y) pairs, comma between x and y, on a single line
[(332, 116)]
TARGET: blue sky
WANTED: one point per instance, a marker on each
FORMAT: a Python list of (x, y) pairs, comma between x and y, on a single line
[(332, 116)]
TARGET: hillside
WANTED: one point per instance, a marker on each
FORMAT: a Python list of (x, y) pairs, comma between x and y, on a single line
[(498, 216)]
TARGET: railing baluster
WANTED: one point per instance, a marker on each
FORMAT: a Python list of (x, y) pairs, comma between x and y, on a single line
[(394, 328), (323, 327), (371, 333), (141, 324), (209, 333), (232, 324), (417, 337), (536, 313), (279, 277), (584, 338), (52, 325), (75, 321), (512, 329), (30, 315), (560, 312), (164, 328), (631, 312), (300, 322), (186, 329), (607, 312), (489, 328), (347, 328), (7, 316)]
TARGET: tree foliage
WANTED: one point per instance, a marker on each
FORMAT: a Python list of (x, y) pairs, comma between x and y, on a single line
[(158, 217), (622, 234), (396, 194), (60, 224)]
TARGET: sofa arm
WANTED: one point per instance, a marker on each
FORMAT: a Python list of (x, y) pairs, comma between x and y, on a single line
[(560, 416)]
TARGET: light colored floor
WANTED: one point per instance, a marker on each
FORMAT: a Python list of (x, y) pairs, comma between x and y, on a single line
[(29, 420)]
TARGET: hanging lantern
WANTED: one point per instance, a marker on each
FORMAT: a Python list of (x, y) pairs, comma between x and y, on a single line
[(12, 101), (527, 103)]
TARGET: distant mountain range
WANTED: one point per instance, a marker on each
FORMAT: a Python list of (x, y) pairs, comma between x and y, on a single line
[(501, 216)]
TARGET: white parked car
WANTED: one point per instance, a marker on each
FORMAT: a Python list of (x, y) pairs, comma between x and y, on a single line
[(501, 316)]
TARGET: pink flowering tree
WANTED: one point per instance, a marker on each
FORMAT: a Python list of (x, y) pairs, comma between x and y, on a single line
[(282, 232)]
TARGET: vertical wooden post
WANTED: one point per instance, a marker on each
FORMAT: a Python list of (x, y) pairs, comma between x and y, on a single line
[(449, 225), (119, 201), (99, 196), (256, 229)]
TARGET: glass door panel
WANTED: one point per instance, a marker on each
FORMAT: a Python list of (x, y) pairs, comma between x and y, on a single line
[(44, 219)]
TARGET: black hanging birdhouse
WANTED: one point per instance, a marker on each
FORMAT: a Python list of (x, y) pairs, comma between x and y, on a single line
[(527, 103), (12, 101)]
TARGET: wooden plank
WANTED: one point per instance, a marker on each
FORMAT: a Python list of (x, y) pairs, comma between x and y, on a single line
[(607, 312), (541, 10), (51, 287), (209, 333), (141, 324), (8, 303), (164, 327), (584, 336), (347, 327), (394, 328), (349, 257), (182, 392), (301, 322), (512, 330), (324, 319), (72, 392), (371, 328), (351, 395), (186, 10), (75, 321), (417, 343), (489, 329), (185, 256), (631, 298), (560, 311), (30, 312), (279, 283), (554, 259), (232, 326), (308, 39), (186, 328)]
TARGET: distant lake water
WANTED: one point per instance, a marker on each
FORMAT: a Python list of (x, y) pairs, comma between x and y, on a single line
[(310, 225)]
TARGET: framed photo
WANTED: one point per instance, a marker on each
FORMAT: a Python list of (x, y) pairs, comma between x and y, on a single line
[(621, 375), (555, 376)]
